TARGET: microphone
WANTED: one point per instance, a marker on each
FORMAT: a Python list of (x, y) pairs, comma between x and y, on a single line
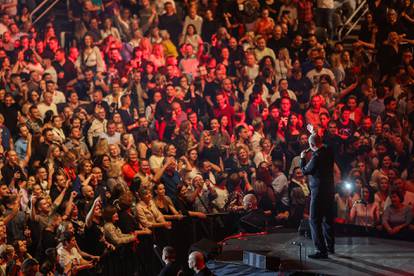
[(308, 150)]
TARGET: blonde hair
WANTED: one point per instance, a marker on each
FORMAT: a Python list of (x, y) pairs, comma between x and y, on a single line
[(102, 147)]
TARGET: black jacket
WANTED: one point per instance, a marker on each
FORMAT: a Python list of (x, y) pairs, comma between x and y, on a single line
[(170, 269), (320, 171)]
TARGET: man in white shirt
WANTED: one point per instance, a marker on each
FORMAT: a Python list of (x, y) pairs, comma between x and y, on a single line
[(280, 186), (314, 74), (111, 135), (47, 104), (194, 19), (98, 125), (58, 97), (258, 134), (261, 50)]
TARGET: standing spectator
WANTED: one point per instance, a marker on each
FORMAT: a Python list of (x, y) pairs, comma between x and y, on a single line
[(169, 21)]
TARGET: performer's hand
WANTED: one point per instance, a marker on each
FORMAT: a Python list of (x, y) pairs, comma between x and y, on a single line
[(303, 154)]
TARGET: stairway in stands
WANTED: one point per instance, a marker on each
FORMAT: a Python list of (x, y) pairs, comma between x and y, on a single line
[(348, 33), (48, 9)]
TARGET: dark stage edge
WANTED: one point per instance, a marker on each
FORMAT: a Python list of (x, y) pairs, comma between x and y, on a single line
[(353, 256)]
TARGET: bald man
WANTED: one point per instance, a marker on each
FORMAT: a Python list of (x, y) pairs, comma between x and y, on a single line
[(197, 263), (321, 179)]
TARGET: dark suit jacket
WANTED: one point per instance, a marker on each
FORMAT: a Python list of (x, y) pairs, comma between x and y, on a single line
[(170, 269), (320, 171), (204, 272)]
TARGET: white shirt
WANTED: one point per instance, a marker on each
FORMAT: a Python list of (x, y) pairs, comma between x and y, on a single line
[(255, 141), (43, 108), (67, 257), (114, 139), (197, 22), (280, 186), (314, 75), (265, 52)]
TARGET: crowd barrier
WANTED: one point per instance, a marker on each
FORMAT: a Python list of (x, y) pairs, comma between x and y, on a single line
[(188, 231)]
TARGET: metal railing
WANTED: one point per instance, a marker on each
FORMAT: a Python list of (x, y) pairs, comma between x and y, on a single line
[(353, 20), (42, 9)]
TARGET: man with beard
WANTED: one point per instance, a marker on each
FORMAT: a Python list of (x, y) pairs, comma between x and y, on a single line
[(77, 145), (12, 171), (85, 204), (34, 120), (40, 152)]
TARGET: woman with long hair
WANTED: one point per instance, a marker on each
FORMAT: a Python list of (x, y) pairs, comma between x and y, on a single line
[(54, 159), (382, 193), (146, 47), (121, 262), (292, 134), (365, 213), (184, 139), (385, 165), (191, 37), (264, 155), (157, 56), (108, 29), (148, 75), (165, 204), (85, 169), (283, 65), (90, 57)]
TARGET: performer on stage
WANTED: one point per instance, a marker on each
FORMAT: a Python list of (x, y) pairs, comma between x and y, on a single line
[(320, 171)]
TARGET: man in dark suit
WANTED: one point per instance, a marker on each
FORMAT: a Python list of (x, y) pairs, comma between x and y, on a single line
[(197, 263), (320, 171), (171, 268)]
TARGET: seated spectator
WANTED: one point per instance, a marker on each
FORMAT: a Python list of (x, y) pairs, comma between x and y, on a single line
[(299, 196), (254, 221), (397, 217)]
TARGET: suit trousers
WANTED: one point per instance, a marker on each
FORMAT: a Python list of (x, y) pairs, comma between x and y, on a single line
[(322, 213)]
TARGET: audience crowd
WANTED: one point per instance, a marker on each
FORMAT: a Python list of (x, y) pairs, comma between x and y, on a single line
[(140, 115)]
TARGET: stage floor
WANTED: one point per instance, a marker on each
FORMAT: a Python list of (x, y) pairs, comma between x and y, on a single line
[(353, 256)]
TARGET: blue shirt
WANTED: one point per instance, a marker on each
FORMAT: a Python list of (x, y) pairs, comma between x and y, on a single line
[(21, 148), (170, 182)]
